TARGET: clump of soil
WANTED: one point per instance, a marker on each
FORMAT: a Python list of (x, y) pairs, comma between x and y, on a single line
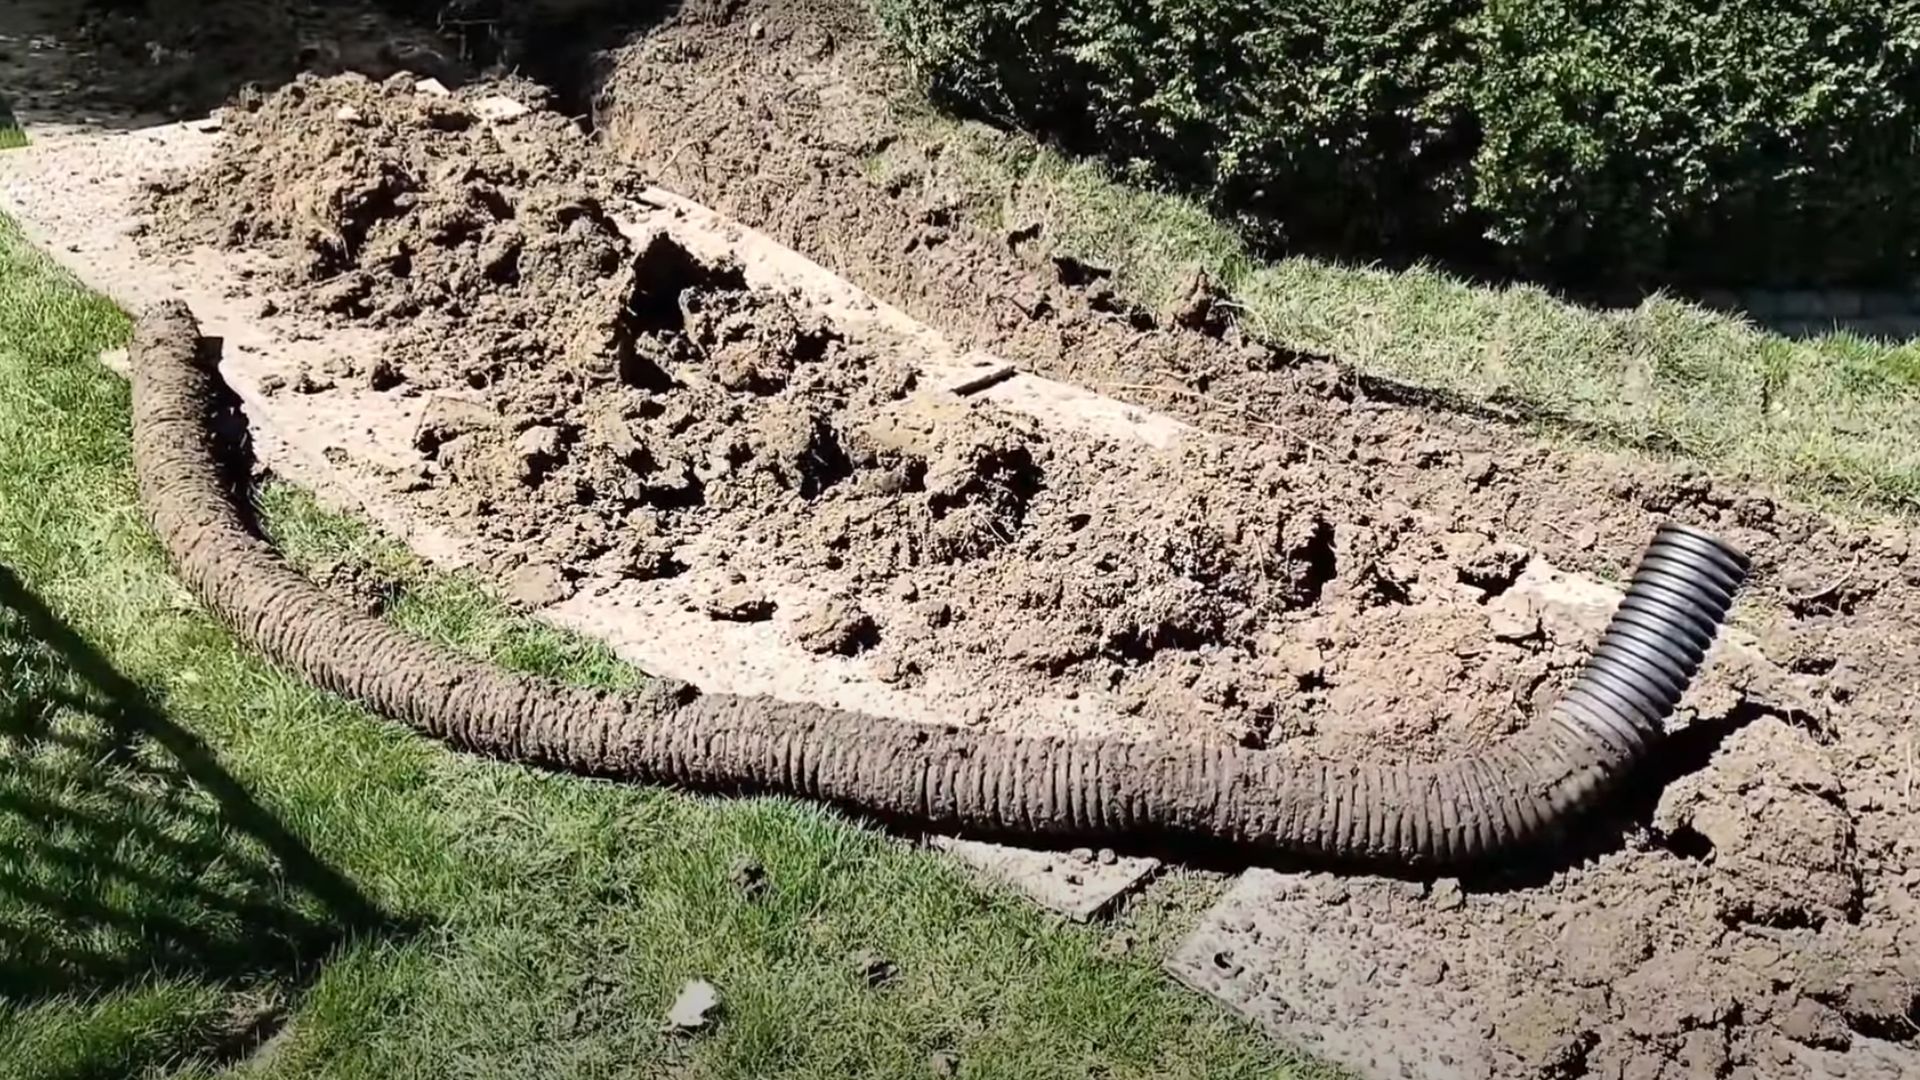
[(399, 207)]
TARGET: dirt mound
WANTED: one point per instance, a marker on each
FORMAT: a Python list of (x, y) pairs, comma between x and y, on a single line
[(405, 207), (600, 400), (1776, 875)]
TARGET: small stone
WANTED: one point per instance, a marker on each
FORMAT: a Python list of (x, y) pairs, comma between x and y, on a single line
[(538, 584), (268, 308), (1105, 857), (757, 30), (1447, 894), (347, 114), (499, 109), (272, 383), (433, 87), (749, 876), (943, 1064), (695, 1009), (740, 603), (538, 450), (877, 970), (1081, 855)]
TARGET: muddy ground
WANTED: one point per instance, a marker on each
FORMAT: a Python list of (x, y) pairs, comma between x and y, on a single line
[(1330, 571)]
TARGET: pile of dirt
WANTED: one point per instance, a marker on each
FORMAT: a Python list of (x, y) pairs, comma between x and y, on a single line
[(597, 401), (1776, 874)]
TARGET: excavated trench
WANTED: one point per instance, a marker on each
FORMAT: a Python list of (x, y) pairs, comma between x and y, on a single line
[(677, 401), (602, 407), (1458, 811)]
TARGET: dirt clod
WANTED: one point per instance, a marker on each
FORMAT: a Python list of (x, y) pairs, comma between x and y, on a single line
[(537, 585), (695, 1008), (874, 969), (740, 603), (750, 877), (836, 627)]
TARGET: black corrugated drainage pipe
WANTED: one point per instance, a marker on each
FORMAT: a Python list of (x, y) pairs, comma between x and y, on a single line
[(1408, 816)]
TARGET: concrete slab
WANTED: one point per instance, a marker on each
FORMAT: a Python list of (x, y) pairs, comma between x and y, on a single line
[(1082, 884), (1286, 952)]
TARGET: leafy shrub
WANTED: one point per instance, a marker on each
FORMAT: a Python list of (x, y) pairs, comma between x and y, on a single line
[(1714, 140)]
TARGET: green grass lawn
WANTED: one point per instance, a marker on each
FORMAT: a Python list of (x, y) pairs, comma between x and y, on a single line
[(212, 870), (1830, 418)]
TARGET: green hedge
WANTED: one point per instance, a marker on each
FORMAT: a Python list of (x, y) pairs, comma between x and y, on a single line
[(1712, 141)]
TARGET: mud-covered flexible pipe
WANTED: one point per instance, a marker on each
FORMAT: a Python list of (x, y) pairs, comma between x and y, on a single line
[(1412, 815)]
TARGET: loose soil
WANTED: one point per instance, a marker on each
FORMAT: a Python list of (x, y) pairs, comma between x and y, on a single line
[(600, 401), (1761, 922), (1325, 570)]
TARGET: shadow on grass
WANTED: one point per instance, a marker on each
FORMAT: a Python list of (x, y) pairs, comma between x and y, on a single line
[(128, 853)]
